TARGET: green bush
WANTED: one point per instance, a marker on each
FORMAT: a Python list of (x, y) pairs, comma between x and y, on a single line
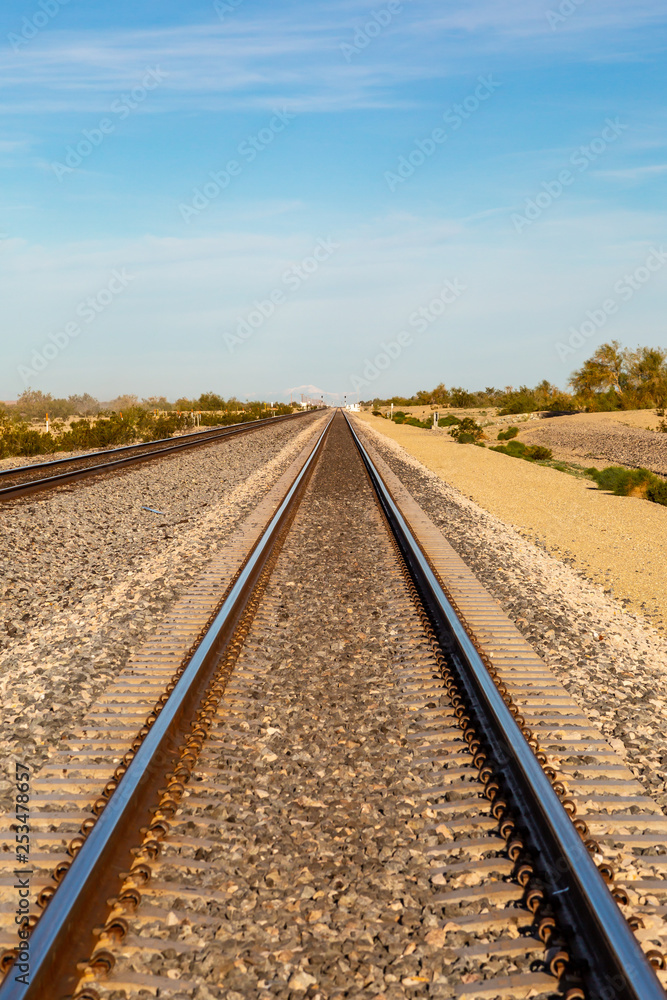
[(378, 413), (507, 435), (529, 452), (466, 431), (624, 482), (448, 421), (657, 492)]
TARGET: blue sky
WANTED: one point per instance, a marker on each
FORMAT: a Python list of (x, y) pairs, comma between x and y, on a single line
[(252, 197)]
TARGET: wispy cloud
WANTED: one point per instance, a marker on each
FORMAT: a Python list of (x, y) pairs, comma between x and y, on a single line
[(255, 60), (634, 174)]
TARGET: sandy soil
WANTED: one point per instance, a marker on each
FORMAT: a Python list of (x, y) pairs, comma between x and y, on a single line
[(643, 419), (618, 542)]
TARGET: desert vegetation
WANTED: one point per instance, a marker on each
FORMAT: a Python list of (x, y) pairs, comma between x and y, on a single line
[(80, 423), (624, 482), (613, 378)]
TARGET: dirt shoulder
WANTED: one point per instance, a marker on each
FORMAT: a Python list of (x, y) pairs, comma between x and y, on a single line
[(619, 543)]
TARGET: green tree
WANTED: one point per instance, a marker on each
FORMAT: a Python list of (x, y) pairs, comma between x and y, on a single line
[(606, 369), (647, 369)]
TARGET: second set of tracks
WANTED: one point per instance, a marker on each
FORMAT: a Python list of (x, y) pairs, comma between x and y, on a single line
[(43, 476), (338, 770)]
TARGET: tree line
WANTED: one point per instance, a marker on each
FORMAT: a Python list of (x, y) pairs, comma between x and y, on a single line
[(613, 378), (34, 405)]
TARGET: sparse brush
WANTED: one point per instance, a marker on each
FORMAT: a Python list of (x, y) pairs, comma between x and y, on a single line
[(538, 453), (624, 482), (466, 431), (529, 452), (507, 435), (448, 421), (136, 424), (657, 492)]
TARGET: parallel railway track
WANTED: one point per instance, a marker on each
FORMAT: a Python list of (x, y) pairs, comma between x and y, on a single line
[(43, 476), (546, 861)]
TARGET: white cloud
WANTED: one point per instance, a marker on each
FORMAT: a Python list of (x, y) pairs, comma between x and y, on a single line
[(255, 62), (634, 173)]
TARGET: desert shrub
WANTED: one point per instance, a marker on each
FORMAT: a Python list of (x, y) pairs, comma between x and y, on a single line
[(538, 453), (466, 431), (657, 492), (507, 435), (613, 478), (529, 452), (448, 421), (378, 413), (624, 482), (21, 439), (515, 449)]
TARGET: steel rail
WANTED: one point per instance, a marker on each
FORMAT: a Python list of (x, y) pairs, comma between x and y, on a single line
[(81, 897), (602, 943), (177, 444), (16, 469)]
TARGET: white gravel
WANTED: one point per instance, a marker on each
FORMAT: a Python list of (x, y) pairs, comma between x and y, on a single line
[(87, 573)]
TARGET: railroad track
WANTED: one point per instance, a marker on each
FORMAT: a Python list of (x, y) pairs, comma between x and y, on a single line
[(339, 770), (42, 476)]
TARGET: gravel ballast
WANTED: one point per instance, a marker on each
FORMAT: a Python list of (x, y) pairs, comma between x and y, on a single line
[(306, 809), (610, 659), (88, 573)]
